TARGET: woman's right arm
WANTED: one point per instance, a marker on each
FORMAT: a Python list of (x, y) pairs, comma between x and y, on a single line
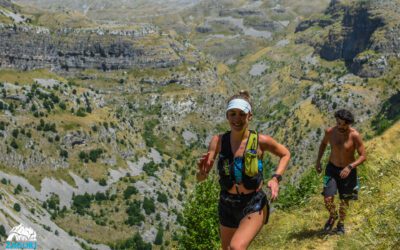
[(206, 162)]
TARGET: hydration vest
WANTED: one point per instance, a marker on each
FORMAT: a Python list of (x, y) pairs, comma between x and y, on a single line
[(247, 169)]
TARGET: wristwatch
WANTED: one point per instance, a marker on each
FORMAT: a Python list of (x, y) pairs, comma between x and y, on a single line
[(277, 176), (350, 166)]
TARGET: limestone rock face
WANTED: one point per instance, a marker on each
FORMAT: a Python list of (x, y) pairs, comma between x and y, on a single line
[(364, 35), (26, 48), (354, 37), (369, 66)]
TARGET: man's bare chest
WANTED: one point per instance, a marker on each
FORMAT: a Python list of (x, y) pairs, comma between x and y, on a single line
[(342, 142)]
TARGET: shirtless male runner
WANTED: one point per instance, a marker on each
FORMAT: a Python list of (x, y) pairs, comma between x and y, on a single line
[(341, 171)]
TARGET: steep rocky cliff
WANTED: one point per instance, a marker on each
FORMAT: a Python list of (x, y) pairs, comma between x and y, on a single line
[(363, 33), (28, 47)]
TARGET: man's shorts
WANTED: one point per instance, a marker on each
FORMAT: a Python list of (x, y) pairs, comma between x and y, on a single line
[(232, 208), (348, 187)]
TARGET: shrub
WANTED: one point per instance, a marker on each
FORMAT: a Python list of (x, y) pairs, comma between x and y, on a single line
[(159, 237), (129, 191), (62, 105), (88, 109), (81, 202), (148, 205), (162, 198), (63, 153), (136, 242), (83, 155), (150, 168), (2, 231), (148, 135), (53, 202), (200, 218), (135, 216), (95, 154), (15, 133), (18, 189), (48, 105), (17, 207), (54, 98), (81, 112), (100, 196), (14, 144), (102, 182)]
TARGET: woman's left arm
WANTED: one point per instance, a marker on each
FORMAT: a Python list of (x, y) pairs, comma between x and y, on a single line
[(268, 143)]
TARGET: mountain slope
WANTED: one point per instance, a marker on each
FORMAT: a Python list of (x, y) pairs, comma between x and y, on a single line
[(114, 134), (373, 221)]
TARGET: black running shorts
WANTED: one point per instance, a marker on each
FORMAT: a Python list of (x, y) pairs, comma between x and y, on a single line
[(348, 187), (232, 208)]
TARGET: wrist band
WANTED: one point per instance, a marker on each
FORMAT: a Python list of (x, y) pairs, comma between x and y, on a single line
[(278, 177)]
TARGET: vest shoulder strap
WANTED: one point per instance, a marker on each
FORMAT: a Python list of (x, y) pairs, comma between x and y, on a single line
[(250, 158), (226, 149), (252, 141)]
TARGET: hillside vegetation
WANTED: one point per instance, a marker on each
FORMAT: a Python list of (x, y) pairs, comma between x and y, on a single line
[(373, 221)]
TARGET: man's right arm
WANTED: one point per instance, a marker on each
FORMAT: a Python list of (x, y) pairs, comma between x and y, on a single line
[(321, 150)]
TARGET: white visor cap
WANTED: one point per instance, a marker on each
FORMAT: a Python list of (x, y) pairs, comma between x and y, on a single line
[(239, 104)]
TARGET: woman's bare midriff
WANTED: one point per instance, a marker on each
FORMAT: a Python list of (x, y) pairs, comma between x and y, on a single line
[(242, 189)]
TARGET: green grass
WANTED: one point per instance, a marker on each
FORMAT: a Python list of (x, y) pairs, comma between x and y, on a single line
[(5, 19), (72, 19), (26, 77)]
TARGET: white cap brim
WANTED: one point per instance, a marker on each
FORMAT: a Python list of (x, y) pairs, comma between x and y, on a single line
[(239, 104)]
